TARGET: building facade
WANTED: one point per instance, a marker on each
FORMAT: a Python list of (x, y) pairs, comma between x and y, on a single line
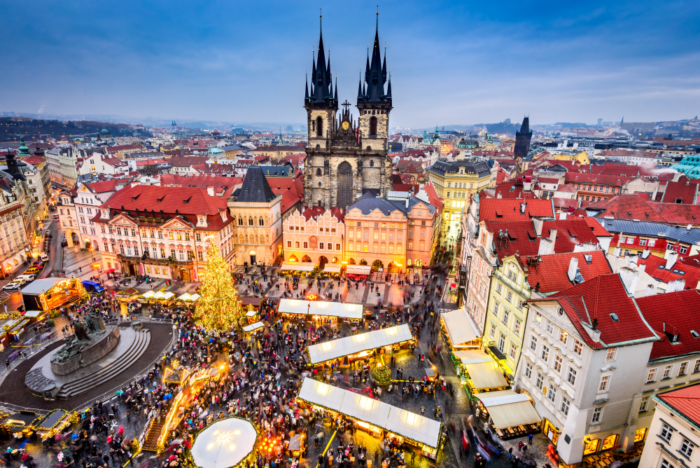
[(63, 163), (14, 242), (347, 157), (315, 235), (163, 232)]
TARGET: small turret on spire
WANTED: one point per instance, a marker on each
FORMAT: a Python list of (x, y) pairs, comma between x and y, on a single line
[(306, 88), (388, 89), (336, 88)]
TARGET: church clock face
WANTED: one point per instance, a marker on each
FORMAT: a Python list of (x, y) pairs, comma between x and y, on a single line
[(346, 125)]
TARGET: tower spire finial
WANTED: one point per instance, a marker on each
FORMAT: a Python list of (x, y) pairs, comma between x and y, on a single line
[(320, 18), (377, 17)]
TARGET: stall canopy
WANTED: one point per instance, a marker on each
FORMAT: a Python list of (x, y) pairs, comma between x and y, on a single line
[(149, 295), (357, 343), (297, 266), (358, 270), (323, 308), (332, 268), (185, 297), (253, 327), (460, 327), (485, 375), (223, 444), (509, 409), (473, 357), (391, 418)]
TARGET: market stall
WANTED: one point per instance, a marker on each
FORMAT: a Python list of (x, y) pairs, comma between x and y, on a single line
[(50, 294), (52, 424), (361, 271), (459, 330), (479, 372), (321, 310), (20, 424), (512, 414), (375, 417), (296, 268), (224, 444), (332, 269), (361, 346), (255, 326)]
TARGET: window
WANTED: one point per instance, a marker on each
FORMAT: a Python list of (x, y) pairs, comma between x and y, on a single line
[(516, 326), (557, 363), (596, 415), (528, 370), (306, 245), (687, 448), (610, 356), (538, 317), (578, 347), (501, 342), (552, 395), (651, 375), (604, 382), (533, 343), (643, 405), (563, 336), (564, 406), (495, 307), (492, 332), (571, 376), (665, 463), (549, 327), (200, 255), (509, 296), (540, 381), (642, 242), (666, 432), (667, 372), (682, 369), (499, 288), (337, 246), (520, 304), (696, 368), (545, 353), (505, 316), (321, 245), (513, 351), (289, 244)]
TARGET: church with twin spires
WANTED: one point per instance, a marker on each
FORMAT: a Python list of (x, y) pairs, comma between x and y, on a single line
[(347, 157)]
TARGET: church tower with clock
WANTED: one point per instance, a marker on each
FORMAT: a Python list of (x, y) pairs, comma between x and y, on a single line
[(346, 157)]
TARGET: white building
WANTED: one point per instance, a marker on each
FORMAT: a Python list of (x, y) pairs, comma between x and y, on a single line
[(63, 163), (14, 243), (99, 163), (675, 430), (584, 361)]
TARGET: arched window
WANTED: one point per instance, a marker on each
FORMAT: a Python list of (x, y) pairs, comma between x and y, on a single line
[(240, 221), (250, 221), (373, 126), (261, 221), (371, 163), (241, 238), (318, 171), (319, 127), (319, 184)]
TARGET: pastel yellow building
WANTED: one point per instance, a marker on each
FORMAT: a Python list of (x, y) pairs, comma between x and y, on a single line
[(581, 157)]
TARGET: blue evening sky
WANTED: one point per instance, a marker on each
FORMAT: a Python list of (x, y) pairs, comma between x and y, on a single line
[(451, 62)]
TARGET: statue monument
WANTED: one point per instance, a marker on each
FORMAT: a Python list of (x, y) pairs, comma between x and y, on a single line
[(92, 340)]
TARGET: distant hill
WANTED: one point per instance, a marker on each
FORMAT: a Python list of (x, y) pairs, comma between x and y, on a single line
[(34, 129)]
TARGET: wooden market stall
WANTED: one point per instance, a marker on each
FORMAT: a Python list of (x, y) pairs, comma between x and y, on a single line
[(362, 345), (479, 372), (52, 424), (512, 414), (374, 417), (323, 311), (459, 330), (49, 294)]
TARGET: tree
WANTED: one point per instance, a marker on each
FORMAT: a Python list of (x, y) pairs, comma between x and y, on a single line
[(218, 307)]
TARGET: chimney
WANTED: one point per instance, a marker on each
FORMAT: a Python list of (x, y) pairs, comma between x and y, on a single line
[(537, 222), (676, 285), (210, 191), (562, 216), (553, 236), (646, 253), (498, 195), (546, 247), (573, 269), (406, 202), (527, 186), (629, 278), (522, 208), (649, 290), (671, 257)]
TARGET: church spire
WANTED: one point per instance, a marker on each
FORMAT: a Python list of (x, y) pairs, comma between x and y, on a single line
[(336, 89), (306, 89), (375, 71), (321, 84), (388, 90)]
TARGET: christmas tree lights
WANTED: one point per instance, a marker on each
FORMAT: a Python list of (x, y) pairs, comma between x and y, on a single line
[(218, 307)]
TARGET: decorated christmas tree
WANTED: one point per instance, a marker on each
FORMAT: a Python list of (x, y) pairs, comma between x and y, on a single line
[(218, 307)]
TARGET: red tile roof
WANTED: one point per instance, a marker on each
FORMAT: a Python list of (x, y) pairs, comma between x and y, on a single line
[(186, 161), (502, 209), (685, 401), (655, 267), (523, 239), (513, 189), (282, 185), (223, 186), (547, 180), (118, 148), (596, 227), (289, 199), (598, 298), (550, 274), (34, 160), (633, 206), (107, 185), (312, 212), (595, 179), (682, 191), (433, 196), (565, 203), (677, 313)]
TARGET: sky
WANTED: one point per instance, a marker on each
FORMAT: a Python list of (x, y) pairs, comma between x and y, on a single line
[(451, 62)]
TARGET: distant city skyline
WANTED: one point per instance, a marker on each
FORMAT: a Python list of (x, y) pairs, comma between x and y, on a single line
[(451, 64)]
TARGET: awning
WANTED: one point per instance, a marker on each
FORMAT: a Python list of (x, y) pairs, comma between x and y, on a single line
[(354, 344), (293, 306), (358, 270), (225, 443), (185, 297), (253, 327), (322, 308), (509, 409), (33, 314), (459, 327), (472, 357), (391, 418), (486, 375), (251, 313), (297, 266), (332, 268), (149, 295)]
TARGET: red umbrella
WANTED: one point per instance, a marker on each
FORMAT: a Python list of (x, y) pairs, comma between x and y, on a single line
[(171, 457), (121, 430)]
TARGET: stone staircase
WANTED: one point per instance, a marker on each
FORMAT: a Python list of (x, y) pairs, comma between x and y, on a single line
[(137, 348), (151, 442)]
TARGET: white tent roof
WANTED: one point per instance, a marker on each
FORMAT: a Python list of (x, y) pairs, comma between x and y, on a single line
[(148, 295), (486, 375), (253, 326), (460, 327), (509, 409), (322, 394), (358, 269), (324, 308), (223, 444), (251, 313), (472, 357), (328, 268), (357, 343), (391, 418), (414, 426), (294, 266)]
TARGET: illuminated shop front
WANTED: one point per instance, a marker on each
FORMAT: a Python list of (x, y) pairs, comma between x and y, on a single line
[(374, 417), (53, 293), (512, 414), (479, 372), (327, 312)]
